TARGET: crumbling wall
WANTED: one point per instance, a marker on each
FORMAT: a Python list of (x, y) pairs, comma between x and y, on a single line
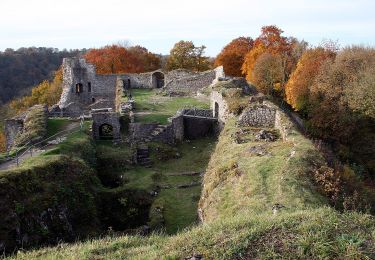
[(220, 107), (77, 71), (139, 131), (101, 118), (257, 115), (12, 128), (190, 83)]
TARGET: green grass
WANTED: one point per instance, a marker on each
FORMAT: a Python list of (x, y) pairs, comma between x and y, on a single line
[(180, 205), (55, 125), (161, 107), (239, 191), (153, 118)]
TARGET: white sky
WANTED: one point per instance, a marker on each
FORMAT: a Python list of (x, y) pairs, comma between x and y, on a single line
[(158, 24)]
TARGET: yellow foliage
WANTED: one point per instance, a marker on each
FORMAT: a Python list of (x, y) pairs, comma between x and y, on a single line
[(45, 93), (2, 142)]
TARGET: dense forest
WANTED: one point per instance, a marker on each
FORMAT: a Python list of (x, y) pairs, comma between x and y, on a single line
[(24, 68)]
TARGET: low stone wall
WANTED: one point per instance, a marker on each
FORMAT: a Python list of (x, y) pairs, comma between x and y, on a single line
[(139, 131), (258, 115), (197, 112)]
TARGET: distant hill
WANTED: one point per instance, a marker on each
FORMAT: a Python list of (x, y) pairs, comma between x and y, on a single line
[(23, 68)]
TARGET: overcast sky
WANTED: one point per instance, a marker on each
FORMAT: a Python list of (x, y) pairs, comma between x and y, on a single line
[(158, 24)]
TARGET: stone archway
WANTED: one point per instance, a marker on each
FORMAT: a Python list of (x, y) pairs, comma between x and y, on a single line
[(106, 132), (157, 79)]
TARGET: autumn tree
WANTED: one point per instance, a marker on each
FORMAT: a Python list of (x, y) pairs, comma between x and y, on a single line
[(114, 59), (337, 111), (47, 92), (232, 56), (297, 89), (185, 55), (271, 41), (149, 60), (268, 72)]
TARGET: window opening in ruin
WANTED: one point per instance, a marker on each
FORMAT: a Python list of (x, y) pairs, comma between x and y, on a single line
[(89, 86), (93, 100), (216, 110), (79, 88), (106, 132)]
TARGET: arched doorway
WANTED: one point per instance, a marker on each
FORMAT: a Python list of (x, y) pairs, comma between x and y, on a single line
[(158, 80), (106, 132), (216, 110)]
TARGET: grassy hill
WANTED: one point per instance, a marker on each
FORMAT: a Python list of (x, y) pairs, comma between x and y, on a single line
[(240, 187)]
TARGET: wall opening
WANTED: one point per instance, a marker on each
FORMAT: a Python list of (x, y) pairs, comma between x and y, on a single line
[(106, 132), (89, 86), (216, 110), (93, 100), (157, 80), (79, 88)]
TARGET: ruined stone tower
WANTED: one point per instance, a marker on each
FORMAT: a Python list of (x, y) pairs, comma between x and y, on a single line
[(78, 83)]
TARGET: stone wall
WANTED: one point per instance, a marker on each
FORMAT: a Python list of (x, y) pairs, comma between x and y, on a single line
[(197, 112), (191, 83), (12, 128), (198, 127), (178, 127), (257, 115), (220, 107), (139, 131), (101, 118), (77, 71)]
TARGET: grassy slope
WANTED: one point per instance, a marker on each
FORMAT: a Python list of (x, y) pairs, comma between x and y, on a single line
[(161, 107), (239, 190), (179, 205)]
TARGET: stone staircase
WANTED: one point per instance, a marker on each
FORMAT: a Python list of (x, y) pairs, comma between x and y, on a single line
[(143, 155), (157, 131)]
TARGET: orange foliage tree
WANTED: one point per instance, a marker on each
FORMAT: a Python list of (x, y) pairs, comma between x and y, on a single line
[(114, 59), (233, 54), (149, 60), (271, 41), (298, 86)]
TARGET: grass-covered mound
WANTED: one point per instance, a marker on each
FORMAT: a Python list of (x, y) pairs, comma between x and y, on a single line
[(49, 199), (241, 185), (309, 234)]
